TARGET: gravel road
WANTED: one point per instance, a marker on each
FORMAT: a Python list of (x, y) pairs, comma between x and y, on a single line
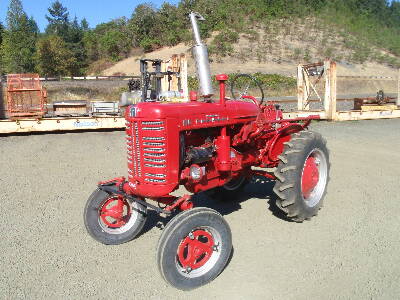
[(349, 251)]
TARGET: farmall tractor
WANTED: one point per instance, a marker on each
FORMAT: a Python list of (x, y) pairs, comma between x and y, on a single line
[(212, 146)]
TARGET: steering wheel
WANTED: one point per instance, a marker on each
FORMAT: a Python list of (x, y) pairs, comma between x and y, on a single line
[(244, 84)]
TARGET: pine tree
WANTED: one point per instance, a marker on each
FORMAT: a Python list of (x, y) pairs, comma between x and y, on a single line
[(15, 14), (1, 42), (70, 32), (75, 44), (58, 20), (394, 13), (18, 47), (85, 25), (1, 33)]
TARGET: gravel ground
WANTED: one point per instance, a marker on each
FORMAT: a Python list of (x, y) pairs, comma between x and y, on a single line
[(349, 251)]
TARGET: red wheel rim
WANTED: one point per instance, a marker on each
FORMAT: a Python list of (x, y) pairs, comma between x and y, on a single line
[(196, 249), (115, 212), (310, 177)]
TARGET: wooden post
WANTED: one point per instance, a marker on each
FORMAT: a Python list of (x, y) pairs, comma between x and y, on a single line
[(330, 90), (2, 102), (164, 80), (301, 89), (184, 77), (398, 90), (175, 64)]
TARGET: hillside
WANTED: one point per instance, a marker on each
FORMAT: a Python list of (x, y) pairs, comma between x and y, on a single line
[(278, 48), (243, 35)]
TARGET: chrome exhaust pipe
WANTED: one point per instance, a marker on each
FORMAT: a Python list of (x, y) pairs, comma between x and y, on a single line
[(200, 54)]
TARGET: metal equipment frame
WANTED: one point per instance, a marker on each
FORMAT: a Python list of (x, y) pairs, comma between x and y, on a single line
[(25, 96)]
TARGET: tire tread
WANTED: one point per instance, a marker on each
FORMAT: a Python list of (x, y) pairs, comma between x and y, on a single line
[(288, 174)]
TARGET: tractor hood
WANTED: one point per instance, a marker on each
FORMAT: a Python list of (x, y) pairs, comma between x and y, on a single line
[(156, 110)]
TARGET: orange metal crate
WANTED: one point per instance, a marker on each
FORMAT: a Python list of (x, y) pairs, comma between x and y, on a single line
[(25, 96)]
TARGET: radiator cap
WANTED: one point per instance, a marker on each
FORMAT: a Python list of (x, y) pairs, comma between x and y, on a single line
[(222, 77)]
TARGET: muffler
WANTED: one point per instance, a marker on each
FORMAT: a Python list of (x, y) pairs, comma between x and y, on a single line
[(200, 54)]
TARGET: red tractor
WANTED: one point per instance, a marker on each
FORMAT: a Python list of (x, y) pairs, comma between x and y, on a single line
[(206, 146)]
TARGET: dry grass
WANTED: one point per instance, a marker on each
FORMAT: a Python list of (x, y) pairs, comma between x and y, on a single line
[(276, 48), (85, 90)]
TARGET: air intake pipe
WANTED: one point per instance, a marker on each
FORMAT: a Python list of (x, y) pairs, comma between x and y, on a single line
[(200, 54)]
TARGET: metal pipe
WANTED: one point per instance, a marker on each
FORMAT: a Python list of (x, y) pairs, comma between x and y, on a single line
[(200, 54), (222, 78), (196, 33)]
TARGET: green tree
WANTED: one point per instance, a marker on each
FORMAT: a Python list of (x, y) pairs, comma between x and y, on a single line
[(14, 15), (1, 33), (394, 13), (1, 42), (110, 44), (18, 46), (58, 20), (72, 34), (111, 40), (169, 25), (76, 45), (90, 42), (141, 24), (53, 57), (85, 25)]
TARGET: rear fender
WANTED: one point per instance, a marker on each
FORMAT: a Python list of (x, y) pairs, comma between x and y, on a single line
[(277, 143)]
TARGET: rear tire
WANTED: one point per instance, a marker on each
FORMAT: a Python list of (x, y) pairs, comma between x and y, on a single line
[(302, 176), (110, 226), (194, 248)]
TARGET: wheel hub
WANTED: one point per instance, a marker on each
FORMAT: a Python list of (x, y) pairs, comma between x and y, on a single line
[(310, 176), (195, 250), (112, 212)]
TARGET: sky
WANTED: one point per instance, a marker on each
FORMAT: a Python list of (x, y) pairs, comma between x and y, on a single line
[(95, 11)]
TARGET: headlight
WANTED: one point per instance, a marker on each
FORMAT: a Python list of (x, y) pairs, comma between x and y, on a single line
[(196, 172)]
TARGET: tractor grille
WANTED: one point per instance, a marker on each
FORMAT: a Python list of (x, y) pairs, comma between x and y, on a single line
[(147, 148)]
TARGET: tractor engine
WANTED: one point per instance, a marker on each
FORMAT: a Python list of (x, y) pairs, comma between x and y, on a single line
[(183, 143)]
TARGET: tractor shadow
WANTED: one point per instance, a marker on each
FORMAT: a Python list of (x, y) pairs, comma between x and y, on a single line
[(154, 220), (259, 188)]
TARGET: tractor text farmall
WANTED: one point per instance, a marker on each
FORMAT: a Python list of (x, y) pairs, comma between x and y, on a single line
[(205, 145)]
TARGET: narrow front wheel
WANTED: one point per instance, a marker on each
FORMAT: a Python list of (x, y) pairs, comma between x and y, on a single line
[(113, 219), (194, 248)]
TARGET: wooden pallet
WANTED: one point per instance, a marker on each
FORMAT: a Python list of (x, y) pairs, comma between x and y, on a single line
[(351, 115), (61, 124), (377, 107)]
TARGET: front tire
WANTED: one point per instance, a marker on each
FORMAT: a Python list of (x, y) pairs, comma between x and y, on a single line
[(112, 219), (194, 248), (302, 176)]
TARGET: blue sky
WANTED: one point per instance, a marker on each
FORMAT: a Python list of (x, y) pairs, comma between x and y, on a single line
[(95, 11)]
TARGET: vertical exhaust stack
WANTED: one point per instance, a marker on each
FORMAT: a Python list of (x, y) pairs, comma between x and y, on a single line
[(200, 54)]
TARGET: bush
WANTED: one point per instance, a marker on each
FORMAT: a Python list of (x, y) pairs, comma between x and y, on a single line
[(221, 45), (269, 82)]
